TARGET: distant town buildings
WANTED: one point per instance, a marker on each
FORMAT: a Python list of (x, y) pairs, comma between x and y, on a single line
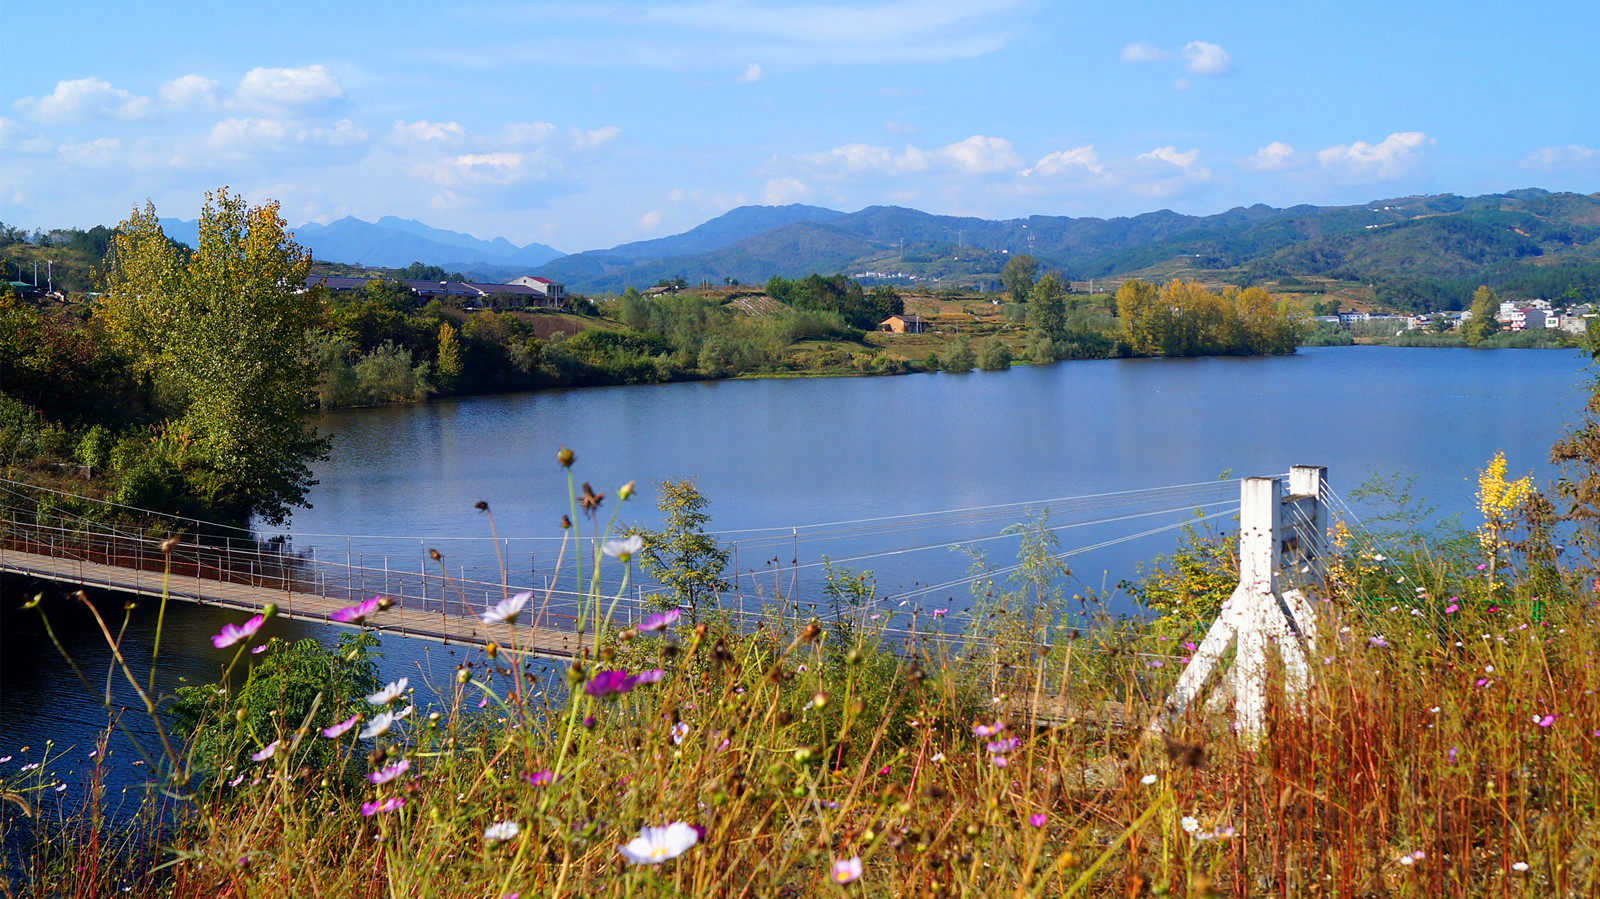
[(541, 292)]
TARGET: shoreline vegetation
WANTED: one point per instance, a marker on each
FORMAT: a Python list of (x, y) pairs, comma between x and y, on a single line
[(1448, 746)]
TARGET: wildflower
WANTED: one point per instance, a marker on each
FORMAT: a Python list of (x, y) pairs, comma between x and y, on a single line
[(1148, 779), (61, 788), (988, 730), (1378, 641), (1006, 745), (542, 778), (655, 845), (505, 611), (334, 731), (606, 683), (1189, 823), (660, 621), (358, 613), (999, 761), (389, 692), (653, 676), (236, 781), (679, 731), (501, 832), (1451, 609), (385, 775), (258, 650), (846, 870), (377, 727), (1519, 866), (233, 633), (404, 713), (1037, 819), (1452, 755), (1545, 721), (940, 613), (623, 549), (368, 809), (266, 752), (30, 766), (4, 759)]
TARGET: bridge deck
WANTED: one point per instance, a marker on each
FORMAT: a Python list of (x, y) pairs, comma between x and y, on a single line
[(547, 641)]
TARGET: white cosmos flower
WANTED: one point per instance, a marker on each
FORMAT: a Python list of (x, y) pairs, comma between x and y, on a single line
[(655, 845), (388, 693), (623, 549), (403, 713), (377, 726), (501, 832), (506, 609)]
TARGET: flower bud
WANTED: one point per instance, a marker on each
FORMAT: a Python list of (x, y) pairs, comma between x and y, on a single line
[(565, 457), (270, 610), (168, 544), (626, 491), (463, 674), (810, 632), (434, 555), (566, 523), (492, 650), (819, 699)]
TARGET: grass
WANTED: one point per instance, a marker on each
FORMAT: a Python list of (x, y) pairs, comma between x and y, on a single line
[(1449, 747)]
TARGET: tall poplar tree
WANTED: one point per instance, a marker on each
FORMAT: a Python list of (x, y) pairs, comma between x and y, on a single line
[(222, 329)]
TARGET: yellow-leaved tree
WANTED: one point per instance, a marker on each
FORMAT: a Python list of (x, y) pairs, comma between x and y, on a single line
[(222, 330), (1498, 499)]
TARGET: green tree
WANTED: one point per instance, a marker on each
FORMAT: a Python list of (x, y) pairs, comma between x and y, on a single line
[(224, 327), (1017, 275), (957, 356), (1482, 323), (1047, 309), (682, 556), (447, 364), (993, 354)]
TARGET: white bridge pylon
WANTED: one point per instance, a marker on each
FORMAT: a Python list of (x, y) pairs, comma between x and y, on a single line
[(1282, 547)]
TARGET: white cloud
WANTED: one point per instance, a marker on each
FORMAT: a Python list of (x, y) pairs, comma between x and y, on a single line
[(525, 132), (1182, 84), (599, 137), (781, 191), (751, 73), (650, 220), (1159, 173), (85, 98), (1571, 158), (264, 88), (423, 131), (247, 134), (1206, 59), (1139, 51), (1395, 156), (96, 153), (190, 90), (982, 155), (1083, 159), (480, 169), (342, 133), (898, 129), (977, 155), (17, 139), (1274, 157)]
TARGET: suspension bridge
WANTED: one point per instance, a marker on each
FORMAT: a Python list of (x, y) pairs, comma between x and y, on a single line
[(66, 539)]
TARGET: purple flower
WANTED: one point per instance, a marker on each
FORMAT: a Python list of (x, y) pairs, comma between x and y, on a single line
[(1451, 609), (988, 730), (606, 683), (232, 633), (266, 752), (660, 621), (1378, 641), (542, 778), (1002, 746), (384, 775), (258, 650), (358, 613), (1452, 755), (368, 809), (1544, 721), (333, 731), (1037, 819), (940, 613), (653, 676), (845, 870)]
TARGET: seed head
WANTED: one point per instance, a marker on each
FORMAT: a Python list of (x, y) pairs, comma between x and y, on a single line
[(168, 544), (565, 457), (481, 506), (434, 555)]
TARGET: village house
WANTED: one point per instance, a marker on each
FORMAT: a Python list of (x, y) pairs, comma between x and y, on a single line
[(554, 294), (468, 293), (904, 324)]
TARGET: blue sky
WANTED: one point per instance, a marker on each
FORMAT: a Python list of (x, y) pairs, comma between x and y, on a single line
[(584, 125)]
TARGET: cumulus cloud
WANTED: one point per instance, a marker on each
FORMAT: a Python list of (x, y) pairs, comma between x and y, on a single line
[(1203, 58), (480, 169), (1274, 157), (17, 139), (650, 220), (1571, 158), (96, 153), (1077, 159), (981, 155), (751, 73), (977, 155), (599, 137), (246, 134), (1394, 156), (190, 90), (342, 133), (266, 88), (80, 99), (1139, 51), (898, 129), (781, 191), (423, 131), (1162, 172)]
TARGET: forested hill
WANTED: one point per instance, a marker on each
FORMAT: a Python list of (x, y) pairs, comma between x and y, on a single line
[(1421, 252)]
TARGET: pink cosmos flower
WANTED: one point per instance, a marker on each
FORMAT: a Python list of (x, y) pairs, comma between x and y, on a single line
[(1451, 609), (358, 613), (845, 870), (542, 778), (940, 613), (1002, 746), (660, 621), (384, 775), (1037, 819), (988, 730), (368, 809), (606, 683), (232, 633), (266, 752), (1545, 721), (653, 676), (334, 731)]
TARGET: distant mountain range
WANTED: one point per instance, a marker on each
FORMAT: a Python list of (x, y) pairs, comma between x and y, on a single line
[(1423, 251), (396, 243)]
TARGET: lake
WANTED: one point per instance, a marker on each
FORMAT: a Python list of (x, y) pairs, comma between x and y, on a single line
[(878, 473)]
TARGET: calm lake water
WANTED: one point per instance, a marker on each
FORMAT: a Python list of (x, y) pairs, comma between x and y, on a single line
[(855, 469)]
